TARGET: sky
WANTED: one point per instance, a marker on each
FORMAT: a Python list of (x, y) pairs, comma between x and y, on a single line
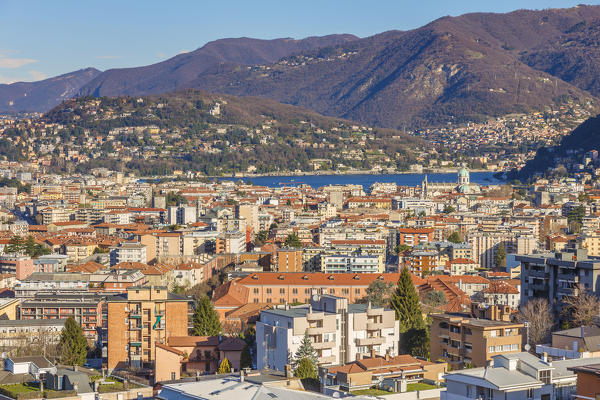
[(45, 38)]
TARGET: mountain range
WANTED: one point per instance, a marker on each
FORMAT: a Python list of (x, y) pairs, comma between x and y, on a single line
[(457, 69)]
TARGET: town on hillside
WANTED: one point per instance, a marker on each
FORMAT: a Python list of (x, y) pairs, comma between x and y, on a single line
[(113, 286)]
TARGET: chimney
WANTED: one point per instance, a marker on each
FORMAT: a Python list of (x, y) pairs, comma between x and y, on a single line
[(359, 356), (387, 355), (242, 375), (373, 354), (545, 357)]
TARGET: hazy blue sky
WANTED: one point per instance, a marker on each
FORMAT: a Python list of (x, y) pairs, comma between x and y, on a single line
[(50, 37)]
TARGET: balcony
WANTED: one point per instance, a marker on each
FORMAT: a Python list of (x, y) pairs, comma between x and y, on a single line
[(135, 344), (326, 360), (315, 316), (370, 341), (323, 345), (316, 330), (372, 312), (135, 314), (567, 277), (374, 326)]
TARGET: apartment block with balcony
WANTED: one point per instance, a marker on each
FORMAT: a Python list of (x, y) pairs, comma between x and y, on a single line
[(340, 332), (85, 308), (553, 276), (461, 341), (139, 319)]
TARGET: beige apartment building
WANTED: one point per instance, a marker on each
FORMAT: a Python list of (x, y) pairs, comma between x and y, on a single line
[(139, 319), (289, 260), (460, 340), (339, 332)]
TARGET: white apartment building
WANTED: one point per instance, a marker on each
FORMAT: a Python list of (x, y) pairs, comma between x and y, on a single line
[(516, 376), (355, 264), (128, 252), (485, 244), (339, 331)]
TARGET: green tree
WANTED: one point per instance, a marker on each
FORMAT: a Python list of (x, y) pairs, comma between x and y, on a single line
[(378, 293), (435, 298), (405, 302), (500, 256), (454, 237), (449, 209), (293, 240), (72, 345), (416, 342), (15, 245), (205, 319), (305, 351), (401, 248), (225, 367), (261, 237), (246, 358), (305, 369), (576, 214)]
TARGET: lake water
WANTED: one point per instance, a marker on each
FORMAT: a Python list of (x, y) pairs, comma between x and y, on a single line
[(366, 180)]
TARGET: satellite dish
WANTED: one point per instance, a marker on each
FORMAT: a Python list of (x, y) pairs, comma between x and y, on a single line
[(527, 347), (315, 297), (3, 355)]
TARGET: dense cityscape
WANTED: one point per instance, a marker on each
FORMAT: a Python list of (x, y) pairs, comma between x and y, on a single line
[(234, 233)]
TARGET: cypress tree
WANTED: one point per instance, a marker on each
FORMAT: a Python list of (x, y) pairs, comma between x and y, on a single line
[(246, 358), (73, 344), (225, 367), (405, 302), (305, 369), (206, 320)]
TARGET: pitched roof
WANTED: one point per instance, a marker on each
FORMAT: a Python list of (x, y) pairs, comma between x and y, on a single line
[(320, 278)]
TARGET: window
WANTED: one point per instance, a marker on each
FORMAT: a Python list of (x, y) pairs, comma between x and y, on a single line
[(172, 376), (529, 394), (255, 290), (256, 300), (514, 346), (331, 291), (282, 291), (493, 333), (306, 291), (268, 290), (545, 376), (295, 291), (506, 347), (498, 348), (490, 349)]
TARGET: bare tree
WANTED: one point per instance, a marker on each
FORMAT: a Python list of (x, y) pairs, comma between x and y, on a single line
[(538, 314), (581, 308)]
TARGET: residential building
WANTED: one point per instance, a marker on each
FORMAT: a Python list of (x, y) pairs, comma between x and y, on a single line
[(137, 320), (516, 376), (553, 276), (85, 308), (289, 260), (128, 252), (231, 242), (349, 264), (377, 371), (195, 354), (23, 332), (472, 341), (588, 381), (338, 331), (21, 266), (279, 288)]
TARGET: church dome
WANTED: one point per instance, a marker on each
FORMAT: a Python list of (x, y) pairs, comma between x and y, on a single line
[(463, 172)]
